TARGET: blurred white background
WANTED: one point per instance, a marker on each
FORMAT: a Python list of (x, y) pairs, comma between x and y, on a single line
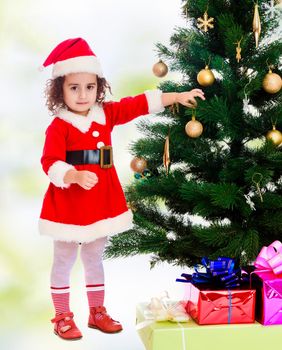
[(123, 35)]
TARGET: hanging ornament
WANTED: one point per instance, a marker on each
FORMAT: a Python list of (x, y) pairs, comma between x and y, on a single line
[(205, 77), (194, 128), (144, 175), (275, 136), (185, 11), (271, 10), (138, 165), (272, 82), (256, 24), (205, 22), (246, 99), (174, 108), (238, 50), (131, 206), (256, 178), (249, 200), (166, 158), (160, 69)]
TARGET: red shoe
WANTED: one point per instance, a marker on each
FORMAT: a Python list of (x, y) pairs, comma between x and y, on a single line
[(65, 327), (99, 319)]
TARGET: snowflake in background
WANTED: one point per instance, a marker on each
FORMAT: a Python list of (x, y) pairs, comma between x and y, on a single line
[(272, 10)]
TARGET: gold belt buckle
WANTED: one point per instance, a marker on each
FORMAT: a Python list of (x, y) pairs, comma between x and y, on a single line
[(102, 157)]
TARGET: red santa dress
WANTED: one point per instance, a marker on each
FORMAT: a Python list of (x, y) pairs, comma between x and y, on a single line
[(69, 212)]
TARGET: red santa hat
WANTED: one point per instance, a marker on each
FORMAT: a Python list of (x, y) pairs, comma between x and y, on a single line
[(73, 56)]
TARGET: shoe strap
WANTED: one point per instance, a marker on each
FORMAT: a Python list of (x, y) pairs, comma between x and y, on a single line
[(99, 309), (62, 316)]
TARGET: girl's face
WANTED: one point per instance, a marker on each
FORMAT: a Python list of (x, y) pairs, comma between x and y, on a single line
[(80, 92)]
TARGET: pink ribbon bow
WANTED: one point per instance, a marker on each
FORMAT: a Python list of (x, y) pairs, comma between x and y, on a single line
[(270, 258)]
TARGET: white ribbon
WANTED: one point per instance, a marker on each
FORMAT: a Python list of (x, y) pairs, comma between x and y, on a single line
[(163, 309)]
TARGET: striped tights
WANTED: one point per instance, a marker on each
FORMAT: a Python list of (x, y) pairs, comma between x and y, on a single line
[(65, 254)]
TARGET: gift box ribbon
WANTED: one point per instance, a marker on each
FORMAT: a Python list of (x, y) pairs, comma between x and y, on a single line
[(163, 309), (221, 272), (270, 258)]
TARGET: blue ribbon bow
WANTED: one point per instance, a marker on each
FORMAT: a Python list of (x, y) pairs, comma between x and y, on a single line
[(220, 273)]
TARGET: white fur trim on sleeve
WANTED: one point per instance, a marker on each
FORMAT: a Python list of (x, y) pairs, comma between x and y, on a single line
[(57, 171), (154, 98)]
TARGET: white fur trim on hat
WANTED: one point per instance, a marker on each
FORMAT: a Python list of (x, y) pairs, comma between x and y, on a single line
[(57, 171), (154, 98), (88, 233), (81, 64)]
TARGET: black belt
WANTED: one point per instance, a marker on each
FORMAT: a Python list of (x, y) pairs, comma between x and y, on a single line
[(102, 156)]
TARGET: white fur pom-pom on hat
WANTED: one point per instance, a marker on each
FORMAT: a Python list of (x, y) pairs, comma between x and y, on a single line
[(73, 56)]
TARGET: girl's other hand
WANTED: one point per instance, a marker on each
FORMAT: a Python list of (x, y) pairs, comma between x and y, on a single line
[(86, 179)]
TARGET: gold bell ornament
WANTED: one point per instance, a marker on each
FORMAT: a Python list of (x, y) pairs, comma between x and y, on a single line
[(194, 128), (275, 136), (205, 77), (272, 82), (138, 165), (160, 69)]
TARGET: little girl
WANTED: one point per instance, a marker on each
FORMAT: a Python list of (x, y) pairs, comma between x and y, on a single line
[(84, 202)]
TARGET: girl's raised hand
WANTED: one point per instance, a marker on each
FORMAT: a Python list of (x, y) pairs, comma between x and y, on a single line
[(187, 98)]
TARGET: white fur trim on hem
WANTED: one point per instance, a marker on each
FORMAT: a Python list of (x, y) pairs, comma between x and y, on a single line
[(57, 171), (88, 233), (154, 98), (81, 64)]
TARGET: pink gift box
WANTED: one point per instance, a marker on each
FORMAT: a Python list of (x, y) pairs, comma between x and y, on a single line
[(269, 297)]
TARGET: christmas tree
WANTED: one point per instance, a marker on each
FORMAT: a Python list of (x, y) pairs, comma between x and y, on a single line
[(230, 175)]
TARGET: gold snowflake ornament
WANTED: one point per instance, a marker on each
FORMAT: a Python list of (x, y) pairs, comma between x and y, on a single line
[(205, 22)]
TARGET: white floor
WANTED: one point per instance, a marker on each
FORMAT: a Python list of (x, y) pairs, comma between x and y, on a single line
[(25, 263), (129, 281)]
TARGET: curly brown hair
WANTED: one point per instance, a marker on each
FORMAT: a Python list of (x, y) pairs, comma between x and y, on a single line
[(54, 93)]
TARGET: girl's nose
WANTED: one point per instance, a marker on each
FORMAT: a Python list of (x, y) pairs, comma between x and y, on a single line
[(82, 93)]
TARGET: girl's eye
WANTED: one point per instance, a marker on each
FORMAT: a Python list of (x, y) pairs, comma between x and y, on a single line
[(90, 87), (73, 88)]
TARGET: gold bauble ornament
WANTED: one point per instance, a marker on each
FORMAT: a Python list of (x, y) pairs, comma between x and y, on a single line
[(205, 77), (138, 164), (275, 136), (160, 69), (272, 82), (194, 128)]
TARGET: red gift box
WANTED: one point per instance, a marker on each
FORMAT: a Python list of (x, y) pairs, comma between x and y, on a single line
[(220, 306), (269, 297)]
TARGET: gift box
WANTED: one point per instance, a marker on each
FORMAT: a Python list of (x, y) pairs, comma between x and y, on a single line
[(220, 306), (190, 336), (269, 297), (220, 295), (267, 279)]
